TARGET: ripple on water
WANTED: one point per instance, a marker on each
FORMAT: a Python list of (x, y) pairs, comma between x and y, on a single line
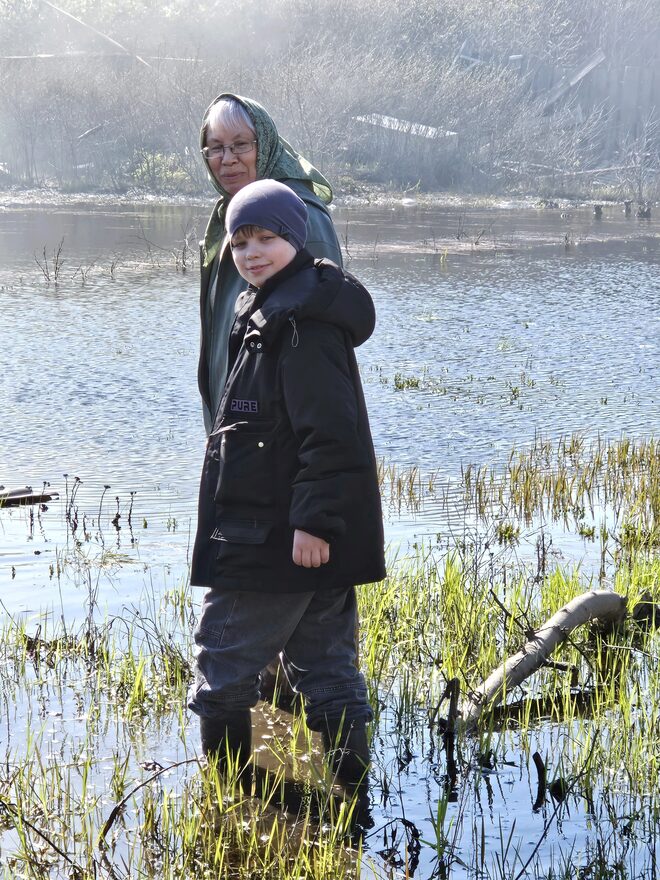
[(470, 356)]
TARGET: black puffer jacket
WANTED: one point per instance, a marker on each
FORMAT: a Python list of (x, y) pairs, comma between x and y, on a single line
[(291, 446)]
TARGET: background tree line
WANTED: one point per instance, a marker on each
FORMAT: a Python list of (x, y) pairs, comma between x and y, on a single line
[(472, 94)]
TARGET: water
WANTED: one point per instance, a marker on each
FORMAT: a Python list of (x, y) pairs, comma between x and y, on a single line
[(474, 352), (98, 379)]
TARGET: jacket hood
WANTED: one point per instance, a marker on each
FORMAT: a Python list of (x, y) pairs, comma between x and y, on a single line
[(319, 291)]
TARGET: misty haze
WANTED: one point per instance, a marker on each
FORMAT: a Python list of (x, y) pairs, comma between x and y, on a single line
[(489, 170)]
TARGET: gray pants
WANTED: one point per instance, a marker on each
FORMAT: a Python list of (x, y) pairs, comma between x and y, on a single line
[(240, 632)]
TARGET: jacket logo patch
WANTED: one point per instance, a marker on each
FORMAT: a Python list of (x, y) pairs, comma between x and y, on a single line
[(243, 406)]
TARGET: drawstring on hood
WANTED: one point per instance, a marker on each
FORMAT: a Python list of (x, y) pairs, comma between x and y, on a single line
[(294, 338)]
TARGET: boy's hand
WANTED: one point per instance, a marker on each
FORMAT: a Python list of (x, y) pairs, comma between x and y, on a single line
[(308, 550)]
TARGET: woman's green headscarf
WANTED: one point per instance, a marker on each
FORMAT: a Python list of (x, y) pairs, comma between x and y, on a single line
[(276, 160)]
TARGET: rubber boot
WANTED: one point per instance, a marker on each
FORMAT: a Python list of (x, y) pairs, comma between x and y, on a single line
[(227, 739), (345, 744)]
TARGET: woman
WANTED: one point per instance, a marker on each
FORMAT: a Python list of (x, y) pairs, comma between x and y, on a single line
[(240, 144)]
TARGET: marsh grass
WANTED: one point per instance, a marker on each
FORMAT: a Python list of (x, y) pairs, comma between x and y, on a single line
[(88, 724), (570, 478), (596, 705), (100, 775), (86, 791), (605, 492), (401, 488), (460, 613)]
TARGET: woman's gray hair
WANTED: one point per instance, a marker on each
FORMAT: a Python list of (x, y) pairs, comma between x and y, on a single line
[(230, 114)]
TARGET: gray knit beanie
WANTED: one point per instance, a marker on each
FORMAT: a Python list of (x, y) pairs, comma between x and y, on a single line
[(271, 205)]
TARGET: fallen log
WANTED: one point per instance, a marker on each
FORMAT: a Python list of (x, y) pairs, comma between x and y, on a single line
[(602, 605), (16, 497)]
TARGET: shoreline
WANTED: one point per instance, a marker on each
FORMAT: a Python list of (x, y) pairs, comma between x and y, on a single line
[(45, 196), (569, 223)]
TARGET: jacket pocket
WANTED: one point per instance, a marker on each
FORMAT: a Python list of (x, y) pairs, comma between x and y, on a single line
[(241, 532), (247, 470)]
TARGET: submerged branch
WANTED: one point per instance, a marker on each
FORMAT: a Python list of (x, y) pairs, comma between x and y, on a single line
[(118, 807), (596, 604), (17, 818)]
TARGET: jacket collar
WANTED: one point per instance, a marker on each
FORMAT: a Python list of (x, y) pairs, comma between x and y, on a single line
[(309, 289), (279, 299), (302, 260)]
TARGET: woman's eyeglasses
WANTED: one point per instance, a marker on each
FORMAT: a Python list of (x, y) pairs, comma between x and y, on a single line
[(236, 149)]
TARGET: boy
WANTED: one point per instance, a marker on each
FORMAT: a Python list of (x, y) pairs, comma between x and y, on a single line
[(289, 510)]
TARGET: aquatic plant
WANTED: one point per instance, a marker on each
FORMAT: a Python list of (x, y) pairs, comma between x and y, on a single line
[(100, 774), (139, 811), (51, 267), (402, 383)]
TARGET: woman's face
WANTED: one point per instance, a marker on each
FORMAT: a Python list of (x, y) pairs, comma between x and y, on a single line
[(232, 172)]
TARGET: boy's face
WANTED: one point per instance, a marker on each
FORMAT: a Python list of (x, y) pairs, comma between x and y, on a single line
[(260, 254)]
